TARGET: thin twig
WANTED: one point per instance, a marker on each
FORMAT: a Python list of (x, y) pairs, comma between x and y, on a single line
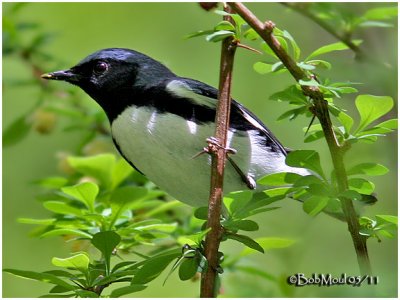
[(265, 30), (218, 153), (344, 38)]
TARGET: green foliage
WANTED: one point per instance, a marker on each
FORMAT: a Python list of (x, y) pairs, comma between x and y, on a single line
[(16, 131), (382, 226), (330, 48), (78, 262), (106, 242), (96, 203)]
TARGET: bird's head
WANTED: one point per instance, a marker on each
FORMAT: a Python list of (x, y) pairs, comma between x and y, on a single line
[(107, 73)]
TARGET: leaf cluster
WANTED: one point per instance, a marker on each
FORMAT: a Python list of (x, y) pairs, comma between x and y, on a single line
[(104, 205)]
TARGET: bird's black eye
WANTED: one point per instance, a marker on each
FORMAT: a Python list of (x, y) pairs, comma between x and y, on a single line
[(100, 67)]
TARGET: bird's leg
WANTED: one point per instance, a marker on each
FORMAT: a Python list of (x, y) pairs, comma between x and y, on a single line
[(247, 179), (213, 144)]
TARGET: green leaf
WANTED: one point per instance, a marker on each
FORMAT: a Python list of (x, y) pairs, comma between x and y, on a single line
[(319, 189), (122, 265), (267, 49), (260, 210), (238, 20), (291, 94), (16, 131), (305, 159), (311, 82), (346, 121), (58, 289), (154, 266), (86, 294), (219, 35), (277, 179), (44, 277), (163, 207), (73, 232), (193, 239), (305, 66), (295, 47), (388, 124), (320, 63), (52, 182), (375, 24), (315, 205), (85, 192), (61, 273), (283, 42), (36, 221), (331, 47), (387, 219), (245, 240), (371, 169), (314, 136), (79, 262), (159, 227), (350, 194), (277, 192), (201, 213), (59, 207), (128, 194), (381, 13), (306, 181), (293, 113), (371, 108), (106, 241), (251, 34), (188, 268), (278, 66), (120, 172), (133, 288), (246, 225), (268, 243), (198, 33), (98, 166), (224, 25), (235, 201), (380, 129), (361, 185), (123, 199), (262, 68)]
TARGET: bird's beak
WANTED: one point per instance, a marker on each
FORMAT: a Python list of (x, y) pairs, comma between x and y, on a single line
[(65, 75)]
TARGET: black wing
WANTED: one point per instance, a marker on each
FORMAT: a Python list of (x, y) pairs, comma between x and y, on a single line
[(241, 118)]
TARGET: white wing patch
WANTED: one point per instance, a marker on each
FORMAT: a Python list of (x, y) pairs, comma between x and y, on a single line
[(192, 126), (253, 122), (152, 121), (181, 89)]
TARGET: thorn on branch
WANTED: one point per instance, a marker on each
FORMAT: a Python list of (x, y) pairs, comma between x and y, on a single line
[(248, 48)]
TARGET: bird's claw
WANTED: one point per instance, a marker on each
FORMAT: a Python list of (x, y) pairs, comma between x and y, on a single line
[(213, 146)]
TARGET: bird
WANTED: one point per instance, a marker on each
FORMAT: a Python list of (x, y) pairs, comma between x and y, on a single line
[(160, 122)]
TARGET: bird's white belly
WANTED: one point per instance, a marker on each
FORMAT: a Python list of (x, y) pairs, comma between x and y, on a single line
[(162, 145)]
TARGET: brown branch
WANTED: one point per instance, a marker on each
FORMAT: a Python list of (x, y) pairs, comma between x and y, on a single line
[(218, 152), (265, 30)]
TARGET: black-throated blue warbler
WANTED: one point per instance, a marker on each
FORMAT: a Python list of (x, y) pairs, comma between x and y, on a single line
[(159, 121)]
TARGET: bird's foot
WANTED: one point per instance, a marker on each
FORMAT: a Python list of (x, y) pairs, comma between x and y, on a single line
[(213, 146)]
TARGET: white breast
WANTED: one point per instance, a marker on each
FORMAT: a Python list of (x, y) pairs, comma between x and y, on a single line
[(162, 146)]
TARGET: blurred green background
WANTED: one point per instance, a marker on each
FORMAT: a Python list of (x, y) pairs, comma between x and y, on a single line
[(157, 29)]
